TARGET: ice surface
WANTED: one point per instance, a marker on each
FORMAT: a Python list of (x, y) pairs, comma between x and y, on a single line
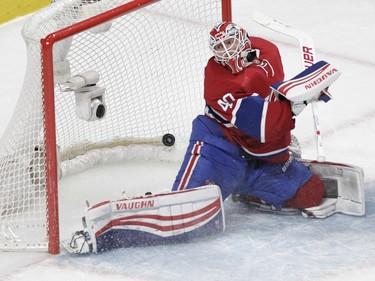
[(255, 246)]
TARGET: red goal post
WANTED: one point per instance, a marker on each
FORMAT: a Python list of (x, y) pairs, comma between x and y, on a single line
[(45, 113)]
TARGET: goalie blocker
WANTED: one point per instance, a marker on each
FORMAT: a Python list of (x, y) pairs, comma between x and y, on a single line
[(310, 85), (150, 220)]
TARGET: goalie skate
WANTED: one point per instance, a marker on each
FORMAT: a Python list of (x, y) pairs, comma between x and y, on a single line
[(80, 243)]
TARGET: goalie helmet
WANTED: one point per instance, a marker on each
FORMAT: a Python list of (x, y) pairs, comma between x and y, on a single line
[(230, 44)]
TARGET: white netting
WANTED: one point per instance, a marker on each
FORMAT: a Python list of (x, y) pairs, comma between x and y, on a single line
[(151, 64)]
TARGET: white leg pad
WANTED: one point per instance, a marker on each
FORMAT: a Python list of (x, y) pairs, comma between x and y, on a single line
[(152, 219), (350, 189)]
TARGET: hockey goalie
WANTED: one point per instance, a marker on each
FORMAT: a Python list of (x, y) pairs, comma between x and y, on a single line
[(241, 147), (243, 143)]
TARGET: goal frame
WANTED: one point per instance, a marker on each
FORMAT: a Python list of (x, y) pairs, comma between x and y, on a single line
[(49, 103)]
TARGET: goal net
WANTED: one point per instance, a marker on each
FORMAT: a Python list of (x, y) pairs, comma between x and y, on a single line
[(100, 74)]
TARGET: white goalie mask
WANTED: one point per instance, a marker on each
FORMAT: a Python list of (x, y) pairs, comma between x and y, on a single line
[(227, 42)]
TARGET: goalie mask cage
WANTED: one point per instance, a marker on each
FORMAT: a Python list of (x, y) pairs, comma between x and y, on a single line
[(150, 56)]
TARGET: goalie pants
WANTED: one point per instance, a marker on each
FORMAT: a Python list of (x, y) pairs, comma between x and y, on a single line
[(212, 158)]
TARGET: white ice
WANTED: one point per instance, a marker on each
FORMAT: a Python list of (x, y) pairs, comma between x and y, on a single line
[(255, 246)]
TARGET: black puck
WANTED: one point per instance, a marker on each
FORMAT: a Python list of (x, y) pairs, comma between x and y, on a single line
[(168, 139)]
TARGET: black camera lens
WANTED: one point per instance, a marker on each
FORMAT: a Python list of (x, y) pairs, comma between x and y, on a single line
[(100, 111)]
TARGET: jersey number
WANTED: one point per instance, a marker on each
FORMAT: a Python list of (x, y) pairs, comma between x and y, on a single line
[(226, 101)]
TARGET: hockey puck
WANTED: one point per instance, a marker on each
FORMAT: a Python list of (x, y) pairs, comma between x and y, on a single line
[(168, 139)]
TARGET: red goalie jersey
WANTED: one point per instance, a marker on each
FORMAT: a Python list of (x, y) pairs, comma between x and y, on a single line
[(245, 107)]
